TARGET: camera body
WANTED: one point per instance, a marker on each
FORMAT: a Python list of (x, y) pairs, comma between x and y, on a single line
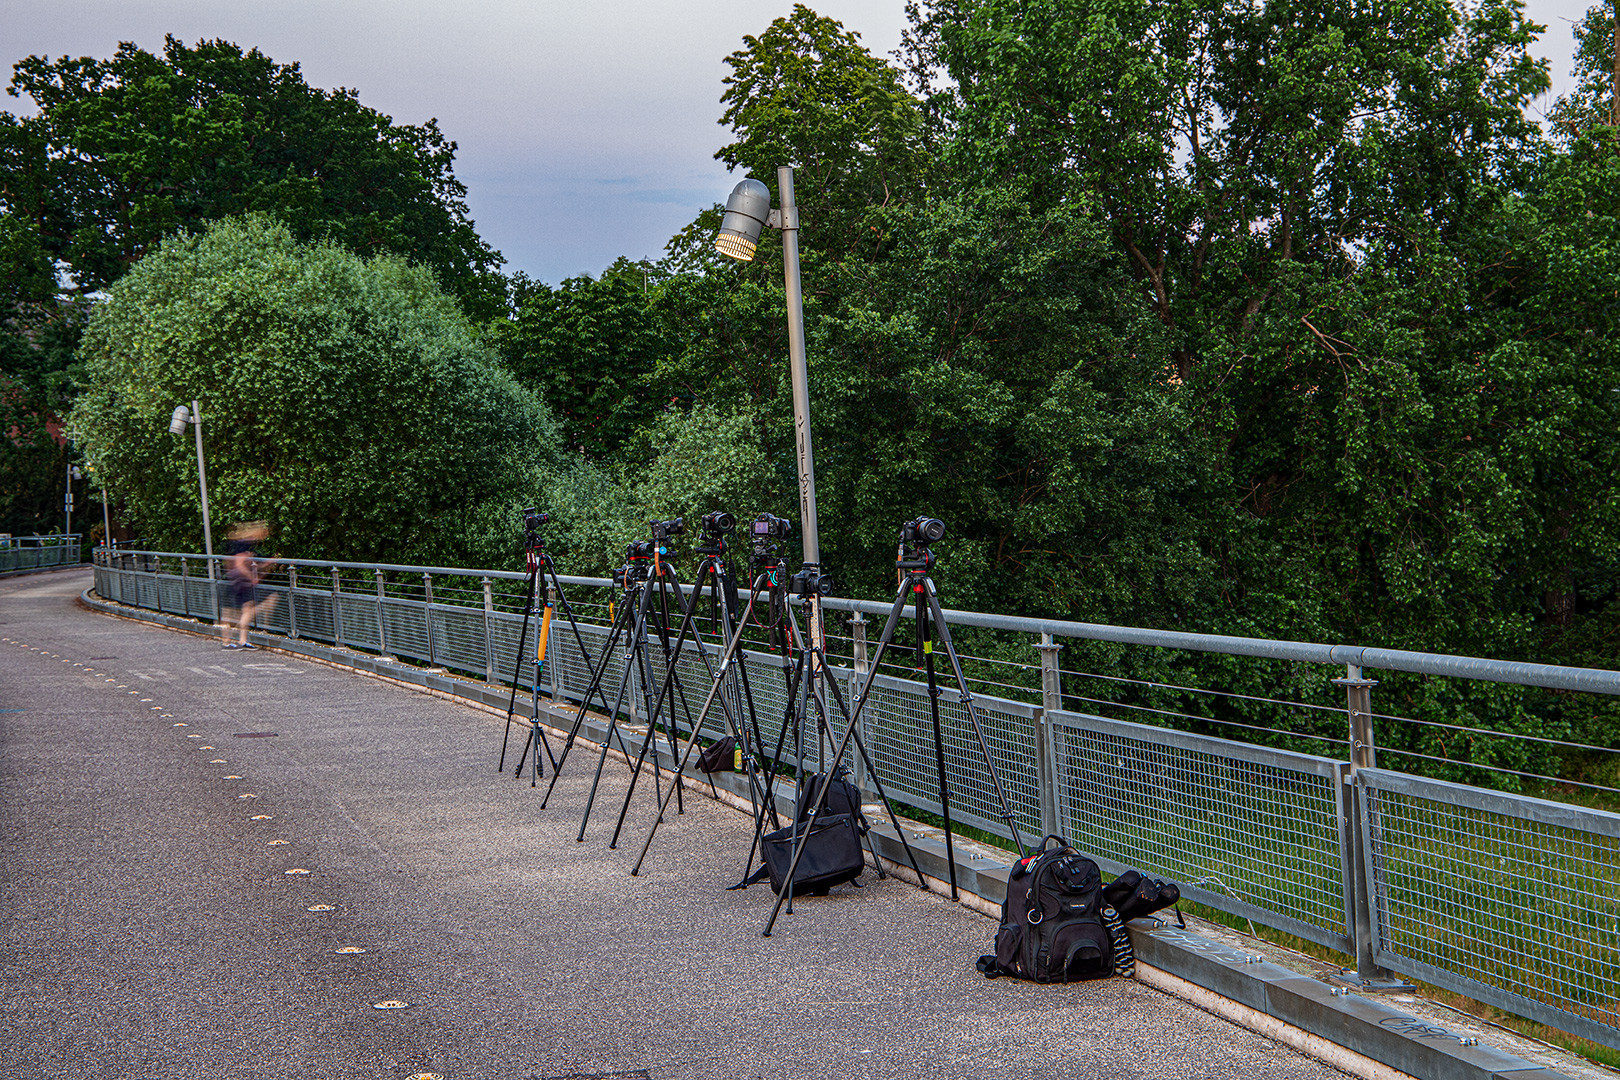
[(714, 530), (770, 527), (663, 530), (767, 532), (915, 537), (810, 581), (638, 550), (922, 531), (532, 520)]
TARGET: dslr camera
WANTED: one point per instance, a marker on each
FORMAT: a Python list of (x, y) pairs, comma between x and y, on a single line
[(915, 537), (663, 530), (810, 581), (922, 531), (770, 527), (714, 530), (532, 520)]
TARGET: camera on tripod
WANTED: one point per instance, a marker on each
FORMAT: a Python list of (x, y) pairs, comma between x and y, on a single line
[(663, 530), (767, 532), (915, 537), (714, 530), (769, 526), (532, 520), (640, 549), (922, 531), (810, 581)]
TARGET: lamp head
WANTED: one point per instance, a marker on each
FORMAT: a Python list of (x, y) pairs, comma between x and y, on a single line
[(747, 211), (178, 422)]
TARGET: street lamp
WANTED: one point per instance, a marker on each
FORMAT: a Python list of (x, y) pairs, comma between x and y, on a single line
[(748, 211), (73, 473), (177, 426)]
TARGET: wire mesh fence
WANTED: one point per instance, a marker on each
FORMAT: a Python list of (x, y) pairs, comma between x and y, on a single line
[(1236, 776)]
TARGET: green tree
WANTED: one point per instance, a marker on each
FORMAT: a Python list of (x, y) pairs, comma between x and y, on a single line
[(1596, 97), (345, 400), (124, 151), (806, 93), (586, 346)]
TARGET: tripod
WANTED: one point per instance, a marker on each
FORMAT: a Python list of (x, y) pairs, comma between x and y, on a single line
[(540, 566), (914, 561), (786, 636), (637, 621), (712, 573)]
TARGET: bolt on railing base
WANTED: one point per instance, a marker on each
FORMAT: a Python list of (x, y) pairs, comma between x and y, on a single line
[(1380, 982)]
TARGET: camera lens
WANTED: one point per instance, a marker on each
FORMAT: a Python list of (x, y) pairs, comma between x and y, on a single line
[(930, 530), (722, 521)]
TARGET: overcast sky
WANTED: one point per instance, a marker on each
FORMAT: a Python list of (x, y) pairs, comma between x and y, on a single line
[(586, 130)]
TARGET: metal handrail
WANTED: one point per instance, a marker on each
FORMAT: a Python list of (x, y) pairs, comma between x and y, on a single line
[(1547, 676)]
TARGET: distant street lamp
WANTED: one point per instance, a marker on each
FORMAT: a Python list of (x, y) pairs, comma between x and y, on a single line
[(73, 473), (748, 211), (177, 426)]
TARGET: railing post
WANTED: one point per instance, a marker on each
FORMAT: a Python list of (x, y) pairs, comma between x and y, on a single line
[(337, 611), (185, 588), (427, 612), (489, 640), (382, 624), (1045, 749), (292, 601), (1363, 755)]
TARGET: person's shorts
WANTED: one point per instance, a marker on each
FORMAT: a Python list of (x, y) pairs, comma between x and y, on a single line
[(242, 594)]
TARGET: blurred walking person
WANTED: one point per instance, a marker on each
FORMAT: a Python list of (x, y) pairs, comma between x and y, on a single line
[(244, 570)]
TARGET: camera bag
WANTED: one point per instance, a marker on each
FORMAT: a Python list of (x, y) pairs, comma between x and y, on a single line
[(719, 755), (832, 854), (1055, 924)]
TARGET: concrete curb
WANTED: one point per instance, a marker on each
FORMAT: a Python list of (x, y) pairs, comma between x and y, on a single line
[(1361, 1035)]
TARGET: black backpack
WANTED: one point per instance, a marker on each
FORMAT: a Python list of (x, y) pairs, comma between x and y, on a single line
[(1055, 924)]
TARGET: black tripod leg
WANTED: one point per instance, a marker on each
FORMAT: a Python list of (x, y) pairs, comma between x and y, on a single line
[(939, 743), (671, 658), (523, 636), (973, 717), (613, 726), (883, 796), (714, 689), (594, 687), (843, 743)]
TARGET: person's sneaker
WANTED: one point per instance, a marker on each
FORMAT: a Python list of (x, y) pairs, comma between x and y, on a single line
[(231, 645), (249, 645)]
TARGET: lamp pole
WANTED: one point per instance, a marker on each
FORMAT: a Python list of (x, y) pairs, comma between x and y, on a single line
[(748, 211), (177, 426), (798, 369)]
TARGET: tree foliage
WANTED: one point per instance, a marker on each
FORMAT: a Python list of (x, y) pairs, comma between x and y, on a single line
[(125, 151), (345, 400)]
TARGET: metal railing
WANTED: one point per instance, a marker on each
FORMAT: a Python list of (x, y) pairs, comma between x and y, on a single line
[(1498, 896), (18, 553)]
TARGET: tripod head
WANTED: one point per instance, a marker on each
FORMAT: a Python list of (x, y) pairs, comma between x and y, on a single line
[(915, 537)]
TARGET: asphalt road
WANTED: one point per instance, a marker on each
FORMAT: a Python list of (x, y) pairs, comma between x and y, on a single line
[(220, 863)]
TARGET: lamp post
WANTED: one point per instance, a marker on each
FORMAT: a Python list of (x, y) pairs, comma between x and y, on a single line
[(748, 211), (177, 426), (73, 473)]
